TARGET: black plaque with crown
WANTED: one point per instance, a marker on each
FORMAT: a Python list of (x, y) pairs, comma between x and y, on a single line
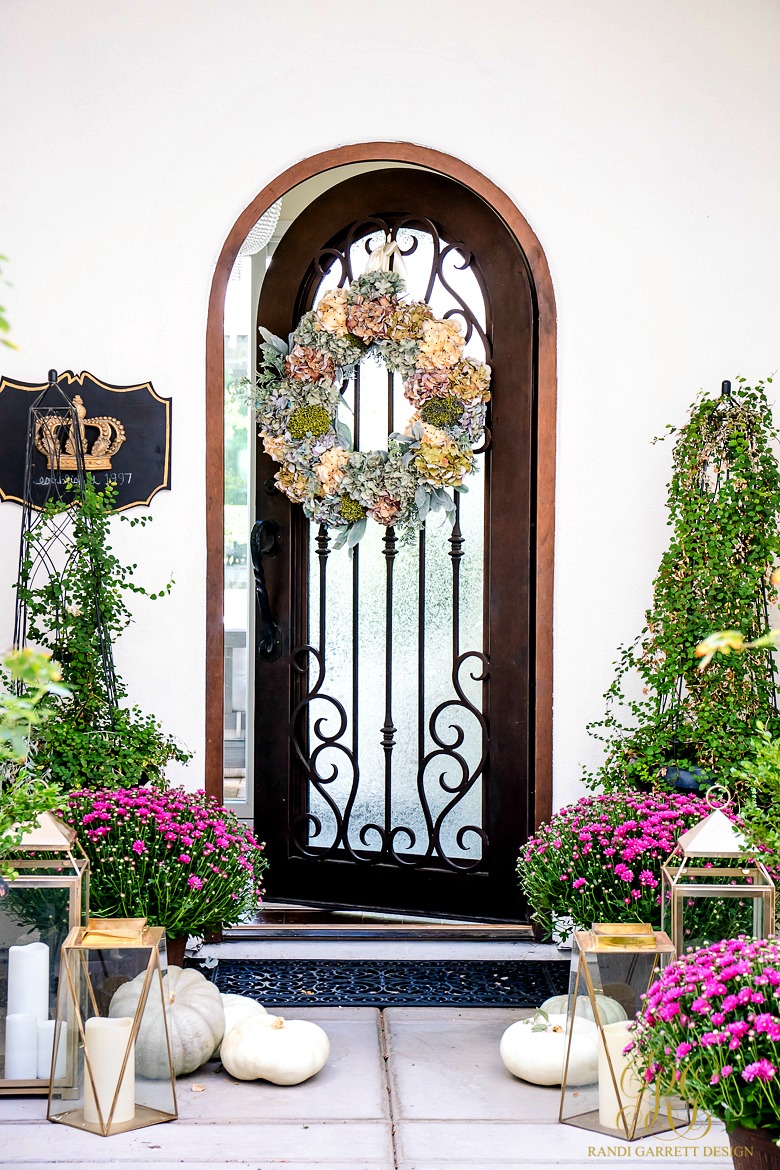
[(126, 439)]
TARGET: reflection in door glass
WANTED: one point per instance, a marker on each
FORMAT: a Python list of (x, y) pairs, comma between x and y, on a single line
[(408, 765), (237, 593)]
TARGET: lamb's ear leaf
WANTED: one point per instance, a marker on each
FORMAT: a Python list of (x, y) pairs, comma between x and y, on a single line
[(356, 532), (420, 495), (541, 1021), (344, 434), (272, 340), (341, 537), (445, 500)]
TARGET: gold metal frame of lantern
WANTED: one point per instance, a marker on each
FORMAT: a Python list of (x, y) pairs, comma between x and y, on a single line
[(618, 960), (103, 1095), (47, 859), (686, 880)]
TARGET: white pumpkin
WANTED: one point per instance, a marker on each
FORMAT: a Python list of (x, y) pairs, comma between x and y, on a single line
[(610, 1011), (535, 1051), (238, 1008), (270, 1048), (196, 1022)]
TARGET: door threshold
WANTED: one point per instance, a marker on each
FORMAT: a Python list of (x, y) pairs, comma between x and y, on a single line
[(472, 933), (281, 921)]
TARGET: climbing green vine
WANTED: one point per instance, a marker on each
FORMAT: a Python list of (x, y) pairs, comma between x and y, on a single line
[(89, 741), (724, 511)]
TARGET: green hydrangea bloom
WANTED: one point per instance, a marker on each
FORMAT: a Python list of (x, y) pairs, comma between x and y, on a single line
[(441, 412), (309, 420), (351, 510)]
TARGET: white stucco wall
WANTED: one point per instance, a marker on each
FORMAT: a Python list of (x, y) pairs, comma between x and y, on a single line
[(638, 137)]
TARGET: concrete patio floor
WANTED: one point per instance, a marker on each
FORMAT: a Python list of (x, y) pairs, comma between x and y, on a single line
[(405, 1089)]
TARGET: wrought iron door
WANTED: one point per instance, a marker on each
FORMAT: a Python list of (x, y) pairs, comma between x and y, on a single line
[(394, 687)]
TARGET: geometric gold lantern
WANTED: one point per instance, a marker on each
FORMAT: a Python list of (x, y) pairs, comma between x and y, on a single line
[(736, 898), (600, 1091), (102, 1083), (47, 898)]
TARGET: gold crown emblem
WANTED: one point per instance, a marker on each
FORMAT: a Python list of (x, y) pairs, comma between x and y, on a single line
[(55, 439)]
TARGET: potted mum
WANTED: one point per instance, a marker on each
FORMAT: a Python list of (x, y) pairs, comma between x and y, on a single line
[(176, 858), (710, 1030), (599, 860)]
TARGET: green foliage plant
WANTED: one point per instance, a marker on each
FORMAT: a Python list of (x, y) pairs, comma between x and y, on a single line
[(724, 512), (758, 776), (24, 794), (93, 740)]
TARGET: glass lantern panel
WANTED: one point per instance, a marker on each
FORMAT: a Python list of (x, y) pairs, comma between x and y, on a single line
[(102, 1007), (600, 1091), (42, 904), (707, 916)]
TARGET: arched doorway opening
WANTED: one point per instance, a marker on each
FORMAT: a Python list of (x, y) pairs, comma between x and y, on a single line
[(534, 335)]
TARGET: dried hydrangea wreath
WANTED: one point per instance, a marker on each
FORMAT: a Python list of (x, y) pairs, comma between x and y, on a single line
[(298, 393)]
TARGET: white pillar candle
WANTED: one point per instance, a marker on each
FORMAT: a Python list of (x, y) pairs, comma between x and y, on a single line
[(107, 1041), (21, 1047), (46, 1046), (28, 981), (616, 1038)]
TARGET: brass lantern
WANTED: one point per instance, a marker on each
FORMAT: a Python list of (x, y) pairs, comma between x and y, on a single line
[(706, 902), (46, 900), (600, 1092), (123, 1072)]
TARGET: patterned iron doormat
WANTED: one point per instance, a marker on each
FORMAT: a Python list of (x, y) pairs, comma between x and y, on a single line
[(359, 983)]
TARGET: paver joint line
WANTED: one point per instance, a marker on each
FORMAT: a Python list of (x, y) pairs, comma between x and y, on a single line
[(385, 1050)]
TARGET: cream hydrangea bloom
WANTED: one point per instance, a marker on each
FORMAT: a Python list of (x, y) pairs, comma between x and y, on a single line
[(441, 346), (274, 446), (330, 469), (293, 483), (332, 311)]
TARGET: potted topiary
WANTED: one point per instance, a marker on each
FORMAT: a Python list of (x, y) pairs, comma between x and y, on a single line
[(77, 613), (667, 722)]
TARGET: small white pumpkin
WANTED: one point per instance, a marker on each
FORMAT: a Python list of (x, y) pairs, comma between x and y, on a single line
[(196, 1021), (535, 1051), (610, 1011), (270, 1048), (238, 1008)]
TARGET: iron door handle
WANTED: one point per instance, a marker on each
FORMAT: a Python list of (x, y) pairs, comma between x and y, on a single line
[(264, 542)]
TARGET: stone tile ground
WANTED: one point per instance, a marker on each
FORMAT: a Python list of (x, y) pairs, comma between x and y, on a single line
[(406, 1089)]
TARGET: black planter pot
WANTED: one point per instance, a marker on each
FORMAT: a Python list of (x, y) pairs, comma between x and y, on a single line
[(686, 779)]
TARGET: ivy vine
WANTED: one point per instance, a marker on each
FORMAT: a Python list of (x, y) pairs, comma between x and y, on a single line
[(724, 511)]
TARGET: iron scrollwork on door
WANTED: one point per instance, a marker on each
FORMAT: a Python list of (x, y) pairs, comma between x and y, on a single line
[(448, 778)]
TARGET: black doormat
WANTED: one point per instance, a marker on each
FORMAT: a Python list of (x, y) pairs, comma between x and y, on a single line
[(358, 983)]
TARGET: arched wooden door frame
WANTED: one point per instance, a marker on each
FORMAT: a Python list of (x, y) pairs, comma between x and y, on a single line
[(545, 390)]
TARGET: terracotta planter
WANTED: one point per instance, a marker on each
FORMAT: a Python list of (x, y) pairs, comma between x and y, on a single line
[(175, 948), (753, 1149)]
